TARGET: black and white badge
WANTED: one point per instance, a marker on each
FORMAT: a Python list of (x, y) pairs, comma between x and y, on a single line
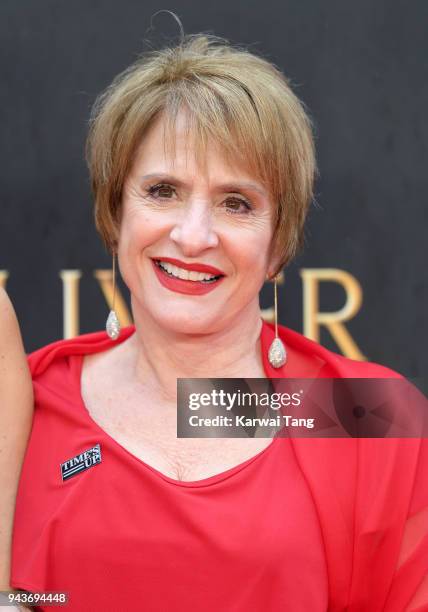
[(81, 462)]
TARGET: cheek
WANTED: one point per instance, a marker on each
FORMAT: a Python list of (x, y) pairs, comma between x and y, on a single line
[(132, 238), (137, 232), (250, 253)]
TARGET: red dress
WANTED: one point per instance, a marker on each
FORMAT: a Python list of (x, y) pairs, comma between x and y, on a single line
[(306, 525)]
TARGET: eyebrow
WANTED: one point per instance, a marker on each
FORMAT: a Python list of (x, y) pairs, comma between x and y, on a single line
[(235, 186)]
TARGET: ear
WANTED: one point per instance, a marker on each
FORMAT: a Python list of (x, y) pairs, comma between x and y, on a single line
[(273, 259), (114, 243), (272, 269)]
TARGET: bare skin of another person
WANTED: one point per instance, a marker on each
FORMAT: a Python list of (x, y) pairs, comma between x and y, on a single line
[(16, 413)]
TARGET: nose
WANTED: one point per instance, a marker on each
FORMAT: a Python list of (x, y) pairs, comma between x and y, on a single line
[(194, 231)]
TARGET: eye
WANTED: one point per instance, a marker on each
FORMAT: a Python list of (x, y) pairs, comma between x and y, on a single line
[(160, 187), (240, 206), (239, 202)]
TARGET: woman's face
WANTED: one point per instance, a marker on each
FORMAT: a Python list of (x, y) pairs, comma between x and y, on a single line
[(212, 217)]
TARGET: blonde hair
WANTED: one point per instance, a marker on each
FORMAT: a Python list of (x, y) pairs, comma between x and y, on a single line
[(239, 99)]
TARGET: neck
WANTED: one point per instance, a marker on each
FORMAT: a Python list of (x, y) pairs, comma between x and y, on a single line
[(160, 356)]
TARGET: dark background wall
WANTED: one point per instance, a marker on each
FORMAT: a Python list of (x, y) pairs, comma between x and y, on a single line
[(361, 67)]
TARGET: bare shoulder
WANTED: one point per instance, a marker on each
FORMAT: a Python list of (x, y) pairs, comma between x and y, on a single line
[(11, 346), (16, 390), (8, 321)]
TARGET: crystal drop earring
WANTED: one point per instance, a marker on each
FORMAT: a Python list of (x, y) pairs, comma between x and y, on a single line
[(277, 354), (112, 324)]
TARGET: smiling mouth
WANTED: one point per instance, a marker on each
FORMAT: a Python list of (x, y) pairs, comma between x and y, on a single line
[(205, 281)]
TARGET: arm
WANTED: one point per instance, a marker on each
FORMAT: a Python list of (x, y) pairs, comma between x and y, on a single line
[(409, 590), (16, 412)]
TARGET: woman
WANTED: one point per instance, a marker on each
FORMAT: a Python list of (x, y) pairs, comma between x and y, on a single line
[(16, 411), (202, 163)]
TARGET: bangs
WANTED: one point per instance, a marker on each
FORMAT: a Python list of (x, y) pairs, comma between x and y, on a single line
[(233, 127)]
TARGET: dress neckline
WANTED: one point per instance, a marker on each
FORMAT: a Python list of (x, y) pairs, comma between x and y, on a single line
[(203, 482)]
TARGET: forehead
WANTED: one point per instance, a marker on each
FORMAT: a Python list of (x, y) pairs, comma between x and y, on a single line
[(166, 148)]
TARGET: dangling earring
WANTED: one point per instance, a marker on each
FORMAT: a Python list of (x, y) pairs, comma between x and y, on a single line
[(112, 324), (277, 354)]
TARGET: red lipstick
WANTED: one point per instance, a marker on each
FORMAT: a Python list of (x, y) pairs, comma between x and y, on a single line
[(196, 267), (184, 286)]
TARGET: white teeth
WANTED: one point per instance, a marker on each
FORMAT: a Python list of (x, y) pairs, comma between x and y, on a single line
[(184, 274)]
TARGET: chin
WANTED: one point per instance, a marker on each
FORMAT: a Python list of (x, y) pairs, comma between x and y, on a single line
[(184, 319), (185, 323)]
